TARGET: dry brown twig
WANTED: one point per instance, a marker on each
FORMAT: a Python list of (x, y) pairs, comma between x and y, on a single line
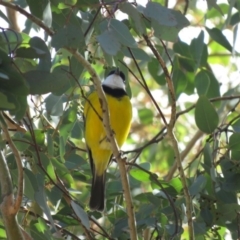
[(11, 204)]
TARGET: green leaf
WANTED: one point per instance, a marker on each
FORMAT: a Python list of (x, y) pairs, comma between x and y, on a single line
[(227, 167), (114, 34), (42, 82), (232, 183), (145, 115), (13, 87), (162, 15), (199, 228), (226, 196), (54, 104), (133, 13), (3, 234), (236, 126), (179, 81), (40, 46), (207, 154), (138, 53), (156, 73), (218, 36), (234, 142), (20, 141), (47, 15), (54, 195), (68, 121), (69, 36), (12, 81), (39, 136), (39, 230), (214, 87), (198, 185), (5, 104), (213, 3), (3, 16), (75, 67), (235, 19), (74, 161), (109, 42), (38, 7), (166, 33), (9, 40), (166, 22), (82, 215), (197, 48), (202, 83), (177, 184), (62, 171), (119, 225), (114, 188), (37, 49), (228, 211), (48, 166), (139, 174), (30, 184), (206, 116), (182, 48), (207, 216), (40, 197), (67, 4), (30, 52), (122, 33), (234, 145)]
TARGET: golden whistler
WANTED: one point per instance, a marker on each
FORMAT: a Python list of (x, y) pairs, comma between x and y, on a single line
[(98, 146)]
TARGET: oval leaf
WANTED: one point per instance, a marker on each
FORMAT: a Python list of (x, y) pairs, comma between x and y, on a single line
[(108, 42), (202, 83), (139, 175), (206, 116), (218, 36), (81, 214), (122, 33)]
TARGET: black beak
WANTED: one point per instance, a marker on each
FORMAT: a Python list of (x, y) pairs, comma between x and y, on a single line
[(117, 71)]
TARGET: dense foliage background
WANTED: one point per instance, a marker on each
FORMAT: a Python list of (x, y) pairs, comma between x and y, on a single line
[(43, 87)]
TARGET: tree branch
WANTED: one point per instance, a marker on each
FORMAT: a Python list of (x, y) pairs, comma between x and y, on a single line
[(110, 136), (18, 200), (184, 153), (27, 15), (7, 207)]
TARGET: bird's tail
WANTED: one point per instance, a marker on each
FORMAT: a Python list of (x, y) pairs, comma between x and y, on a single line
[(97, 199)]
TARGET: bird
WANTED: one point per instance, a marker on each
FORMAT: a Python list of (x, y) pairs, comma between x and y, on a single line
[(97, 144)]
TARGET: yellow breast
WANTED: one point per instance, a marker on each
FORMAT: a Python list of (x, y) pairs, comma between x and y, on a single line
[(120, 110)]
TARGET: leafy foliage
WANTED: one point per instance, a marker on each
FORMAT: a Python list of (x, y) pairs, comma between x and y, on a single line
[(43, 89)]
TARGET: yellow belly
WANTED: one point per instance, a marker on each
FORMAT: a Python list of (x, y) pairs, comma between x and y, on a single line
[(120, 119)]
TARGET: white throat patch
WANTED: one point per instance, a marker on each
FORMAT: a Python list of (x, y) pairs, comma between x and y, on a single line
[(114, 81)]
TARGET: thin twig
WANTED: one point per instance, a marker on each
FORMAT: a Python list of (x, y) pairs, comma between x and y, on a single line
[(146, 87), (186, 7), (91, 23), (184, 154)]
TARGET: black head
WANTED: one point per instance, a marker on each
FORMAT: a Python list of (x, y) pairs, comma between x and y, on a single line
[(118, 72)]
